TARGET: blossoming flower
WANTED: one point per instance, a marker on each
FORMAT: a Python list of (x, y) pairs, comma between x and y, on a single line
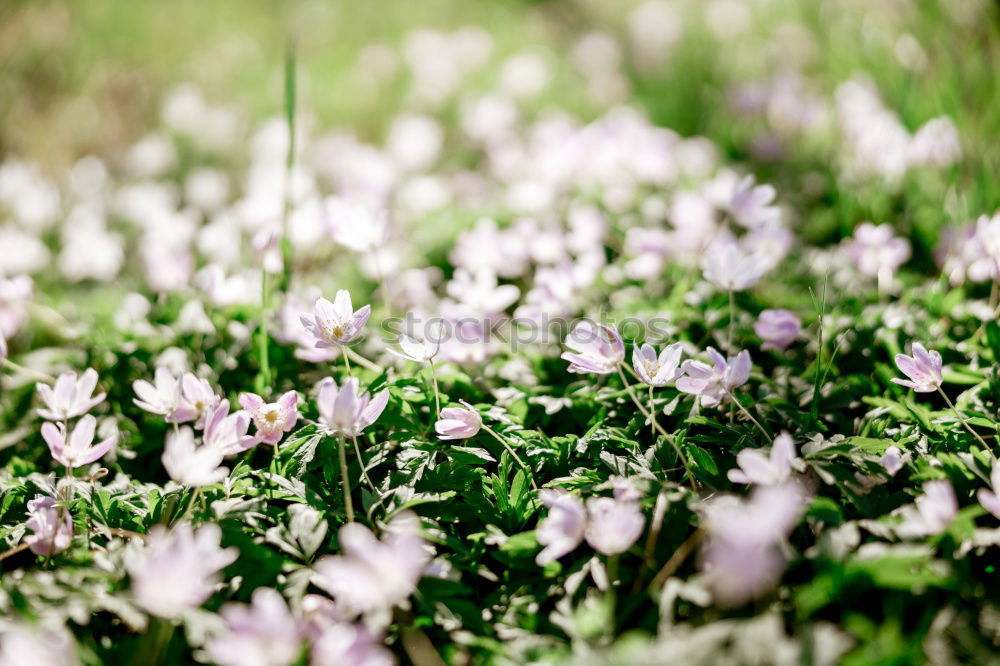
[(923, 369), (931, 512), (777, 328), (346, 643), (162, 397), (77, 448), (191, 465), (335, 324), (413, 349), (765, 470), (372, 573), (228, 432), (613, 524), (274, 419), (71, 396), (714, 382), (197, 400), (265, 633), (657, 370), (178, 569), (346, 410), (893, 460), (458, 422), (729, 268), (51, 533), (594, 348), (562, 530), (989, 499), (40, 644), (876, 252), (742, 556)]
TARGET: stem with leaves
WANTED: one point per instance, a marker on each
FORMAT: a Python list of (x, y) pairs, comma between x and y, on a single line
[(513, 454), (962, 418), (345, 479)]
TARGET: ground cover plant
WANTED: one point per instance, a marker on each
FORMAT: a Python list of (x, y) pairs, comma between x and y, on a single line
[(487, 333)]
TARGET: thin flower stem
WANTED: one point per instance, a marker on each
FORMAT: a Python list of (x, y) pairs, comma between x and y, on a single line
[(264, 378), (613, 570), (750, 416), (963, 420), (652, 410), (13, 551), (361, 360), (361, 461), (16, 367), (347, 363), (531, 477), (732, 319), (656, 426), (437, 395), (659, 511), (345, 479), (677, 559)]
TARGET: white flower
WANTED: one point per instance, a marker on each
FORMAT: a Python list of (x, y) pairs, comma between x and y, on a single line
[(413, 349), (760, 469), (562, 530), (373, 574), (179, 569), (77, 448), (347, 410), (729, 268), (190, 465), (931, 512), (264, 633), (72, 396), (613, 524), (36, 645)]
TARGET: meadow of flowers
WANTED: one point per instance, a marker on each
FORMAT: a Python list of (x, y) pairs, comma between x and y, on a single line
[(557, 333)]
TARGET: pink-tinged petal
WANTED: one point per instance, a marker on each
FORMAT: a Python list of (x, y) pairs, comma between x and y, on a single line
[(718, 360), (756, 466), (55, 437), (995, 476), (697, 369), (903, 382), (325, 312), (90, 404), (670, 357), (737, 476), (250, 401), (693, 385), (361, 317), (740, 369), (65, 389), (989, 500), (908, 366), (288, 401), (308, 322), (783, 451), (375, 408), (345, 407), (87, 383), (45, 391), (342, 306), (98, 451), (83, 433)]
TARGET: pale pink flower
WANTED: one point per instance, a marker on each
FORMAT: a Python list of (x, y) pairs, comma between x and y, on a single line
[(765, 469), (413, 349), (346, 410), (163, 398), (777, 328), (77, 448), (714, 382), (931, 512), (50, 533), (657, 370), (876, 252), (458, 422), (72, 396), (923, 369), (750, 204), (374, 574), (198, 399), (228, 432), (335, 324), (742, 556), (191, 465), (893, 460), (345, 643), (178, 569), (989, 499), (729, 268), (563, 528), (613, 524), (273, 419), (594, 348), (36, 644), (265, 633)]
